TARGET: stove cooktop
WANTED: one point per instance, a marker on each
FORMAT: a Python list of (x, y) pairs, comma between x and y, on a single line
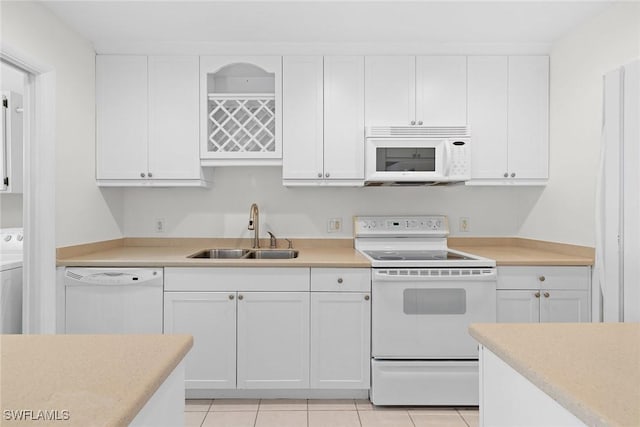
[(416, 255)]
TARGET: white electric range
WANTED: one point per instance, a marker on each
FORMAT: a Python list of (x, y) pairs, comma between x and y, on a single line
[(424, 297)]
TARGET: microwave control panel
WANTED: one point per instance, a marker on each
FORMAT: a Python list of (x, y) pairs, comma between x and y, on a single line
[(460, 159)]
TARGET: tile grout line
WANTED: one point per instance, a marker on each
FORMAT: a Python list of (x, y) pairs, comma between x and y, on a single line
[(464, 420)]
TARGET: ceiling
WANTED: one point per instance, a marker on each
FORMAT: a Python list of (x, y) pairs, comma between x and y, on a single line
[(108, 23)]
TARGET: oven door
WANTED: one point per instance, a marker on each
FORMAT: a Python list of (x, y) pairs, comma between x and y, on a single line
[(405, 159), (425, 313)]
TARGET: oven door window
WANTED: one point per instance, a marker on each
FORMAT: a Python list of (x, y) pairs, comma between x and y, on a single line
[(406, 159), (435, 301)]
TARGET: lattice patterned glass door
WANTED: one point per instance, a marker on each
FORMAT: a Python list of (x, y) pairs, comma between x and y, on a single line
[(241, 123)]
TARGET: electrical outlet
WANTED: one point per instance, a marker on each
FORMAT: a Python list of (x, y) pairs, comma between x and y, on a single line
[(464, 224), (334, 225), (159, 225)]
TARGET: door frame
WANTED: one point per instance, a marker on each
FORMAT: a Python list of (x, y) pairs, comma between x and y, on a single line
[(39, 259)]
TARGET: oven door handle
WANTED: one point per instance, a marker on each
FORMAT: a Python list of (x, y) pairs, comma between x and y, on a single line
[(480, 274)]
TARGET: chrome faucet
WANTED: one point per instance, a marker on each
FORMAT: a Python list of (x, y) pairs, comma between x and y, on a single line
[(273, 241), (254, 224)]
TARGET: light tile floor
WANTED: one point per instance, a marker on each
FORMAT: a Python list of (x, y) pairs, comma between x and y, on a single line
[(320, 413)]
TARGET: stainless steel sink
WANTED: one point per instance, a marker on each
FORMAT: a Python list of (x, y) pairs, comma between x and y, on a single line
[(246, 254), (222, 253), (273, 254)]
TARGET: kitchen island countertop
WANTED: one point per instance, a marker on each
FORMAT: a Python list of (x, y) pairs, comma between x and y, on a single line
[(591, 369), (86, 380)]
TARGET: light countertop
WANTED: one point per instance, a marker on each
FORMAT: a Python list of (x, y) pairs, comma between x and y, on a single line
[(168, 252), (99, 379), (591, 369)]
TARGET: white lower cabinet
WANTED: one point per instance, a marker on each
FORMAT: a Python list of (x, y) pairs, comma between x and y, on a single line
[(340, 340), (211, 318), (250, 326), (340, 328), (544, 294), (273, 340)]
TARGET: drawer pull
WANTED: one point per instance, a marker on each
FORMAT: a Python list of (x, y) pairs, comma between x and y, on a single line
[(542, 278), (240, 297), (340, 280), (231, 297), (546, 294), (366, 297), (537, 294)]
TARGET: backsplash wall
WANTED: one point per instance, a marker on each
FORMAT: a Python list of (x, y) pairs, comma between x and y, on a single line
[(223, 209)]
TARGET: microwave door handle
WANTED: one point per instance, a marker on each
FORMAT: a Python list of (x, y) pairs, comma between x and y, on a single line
[(447, 158)]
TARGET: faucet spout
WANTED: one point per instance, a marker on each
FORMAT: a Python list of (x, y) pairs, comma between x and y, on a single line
[(254, 224)]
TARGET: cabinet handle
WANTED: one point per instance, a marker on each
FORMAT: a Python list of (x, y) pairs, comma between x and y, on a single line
[(319, 174), (420, 122), (326, 175), (340, 280), (231, 296), (506, 175), (413, 122), (240, 297), (546, 294), (513, 174), (537, 294), (150, 174), (542, 278), (366, 297), (142, 175)]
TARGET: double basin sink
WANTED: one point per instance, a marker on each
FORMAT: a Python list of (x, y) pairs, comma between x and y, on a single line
[(246, 254)]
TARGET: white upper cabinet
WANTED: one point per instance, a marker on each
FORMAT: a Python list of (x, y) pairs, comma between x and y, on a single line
[(509, 119), (409, 90), (344, 117), (173, 117), (488, 86), (390, 90), (323, 128), (303, 126), (529, 117), (12, 143), (121, 115), (241, 107), (441, 90), (147, 120)]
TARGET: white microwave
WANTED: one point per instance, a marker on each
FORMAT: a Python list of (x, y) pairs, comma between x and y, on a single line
[(417, 155)]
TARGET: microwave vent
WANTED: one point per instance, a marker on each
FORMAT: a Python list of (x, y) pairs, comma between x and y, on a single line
[(418, 131)]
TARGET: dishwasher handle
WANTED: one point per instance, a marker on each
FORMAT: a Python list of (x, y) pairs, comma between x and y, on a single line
[(113, 277)]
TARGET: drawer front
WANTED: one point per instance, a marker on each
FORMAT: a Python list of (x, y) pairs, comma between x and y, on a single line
[(544, 277), (341, 279), (236, 279)]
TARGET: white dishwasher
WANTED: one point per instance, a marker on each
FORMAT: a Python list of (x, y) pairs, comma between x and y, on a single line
[(113, 300)]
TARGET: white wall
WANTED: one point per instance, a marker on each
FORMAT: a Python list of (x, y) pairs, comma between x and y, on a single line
[(223, 210), (565, 211), (83, 212)]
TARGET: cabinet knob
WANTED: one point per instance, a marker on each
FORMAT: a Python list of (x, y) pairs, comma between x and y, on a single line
[(142, 175), (319, 174), (413, 122), (367, 297), (546, 294), (340, 280), (240, 297), (513, 174), (542, 278), (326, 175), (150, 174), (506, 175), (420, 122), (231, 296), (537, 294)]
